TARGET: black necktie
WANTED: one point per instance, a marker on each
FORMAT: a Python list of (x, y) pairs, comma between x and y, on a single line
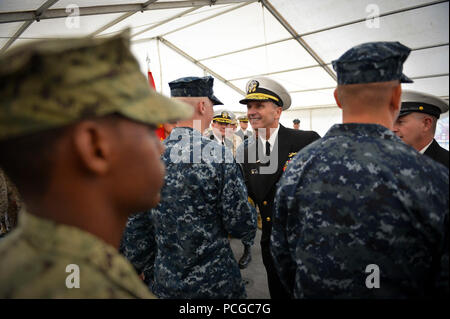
[(245, 137), (223, 142), (267, 148)]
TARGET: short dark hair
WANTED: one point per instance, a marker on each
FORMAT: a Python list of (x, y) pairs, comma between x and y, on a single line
[(27, 160)]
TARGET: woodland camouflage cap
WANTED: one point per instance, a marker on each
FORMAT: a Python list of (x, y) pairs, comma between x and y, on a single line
[(53, 83)]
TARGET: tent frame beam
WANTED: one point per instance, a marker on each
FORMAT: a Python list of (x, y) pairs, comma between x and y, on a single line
[(6, 17), (166, 21), (413, 78), (199, 64), (190, 24), (297, 37), (209, 17), (328, 29), (121, 18), (37, 14)]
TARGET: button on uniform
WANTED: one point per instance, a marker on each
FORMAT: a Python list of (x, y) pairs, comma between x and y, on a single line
[(268, 219)]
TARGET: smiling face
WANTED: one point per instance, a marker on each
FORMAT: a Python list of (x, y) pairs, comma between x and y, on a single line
[(263, 114)]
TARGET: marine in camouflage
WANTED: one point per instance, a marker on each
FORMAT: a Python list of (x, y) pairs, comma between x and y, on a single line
[(35, 256), (372, 62), (356, 197), (182, 245), (54, 83)]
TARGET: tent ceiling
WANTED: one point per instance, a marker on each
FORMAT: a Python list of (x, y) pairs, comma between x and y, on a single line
[(291, 41)]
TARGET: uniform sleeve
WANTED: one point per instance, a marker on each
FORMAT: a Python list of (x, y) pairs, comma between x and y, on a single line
[(313, 136), (240, 153), (238, 216), (279, 245), (138, 244)]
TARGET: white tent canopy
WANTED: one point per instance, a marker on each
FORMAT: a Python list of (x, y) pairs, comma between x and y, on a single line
[(292, 41)]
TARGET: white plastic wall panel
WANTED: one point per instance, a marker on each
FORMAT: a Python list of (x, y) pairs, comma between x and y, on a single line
[(319, 120), (427, 62), (9, 29), (17, 5), (201, 13), (175, 66), (277, 57), (437, 86), (303, 115), (304, 79), (312, 15), (235, 30), (415, 29), (323, 119), (229, 97), (313, 98), (142, 20)]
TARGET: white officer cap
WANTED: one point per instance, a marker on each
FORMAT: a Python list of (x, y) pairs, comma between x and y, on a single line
[(265, 89), (414, 101)]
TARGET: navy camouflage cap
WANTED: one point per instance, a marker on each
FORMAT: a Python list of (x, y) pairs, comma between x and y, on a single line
[(413, 101), (193, 86), (372, 62), (54, 83)]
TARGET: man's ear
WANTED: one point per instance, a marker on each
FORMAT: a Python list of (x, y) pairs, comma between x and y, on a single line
[(279, 110), (335, 93), (92, 143), (201, 107), (428, 123)]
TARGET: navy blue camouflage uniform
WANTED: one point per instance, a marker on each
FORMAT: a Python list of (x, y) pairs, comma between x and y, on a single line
[(358, 197), (182, 245)]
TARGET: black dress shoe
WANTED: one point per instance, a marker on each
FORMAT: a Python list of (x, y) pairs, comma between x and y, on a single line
[(246, 258)]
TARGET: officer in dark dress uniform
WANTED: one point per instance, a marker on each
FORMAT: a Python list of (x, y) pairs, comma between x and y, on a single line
[(264, 156), (416, 124)]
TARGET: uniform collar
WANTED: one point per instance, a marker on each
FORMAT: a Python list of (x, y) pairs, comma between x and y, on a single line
[(218, 139), (272, 137), (183, 130), (75, 244), (361, 129), (423, 150)]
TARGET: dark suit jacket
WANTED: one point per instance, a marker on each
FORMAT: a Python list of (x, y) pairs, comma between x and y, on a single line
[(262, 187), (436, 152)]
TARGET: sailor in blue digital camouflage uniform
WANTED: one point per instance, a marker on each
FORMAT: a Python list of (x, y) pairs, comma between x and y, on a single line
[(358, 213), (182, 245)]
